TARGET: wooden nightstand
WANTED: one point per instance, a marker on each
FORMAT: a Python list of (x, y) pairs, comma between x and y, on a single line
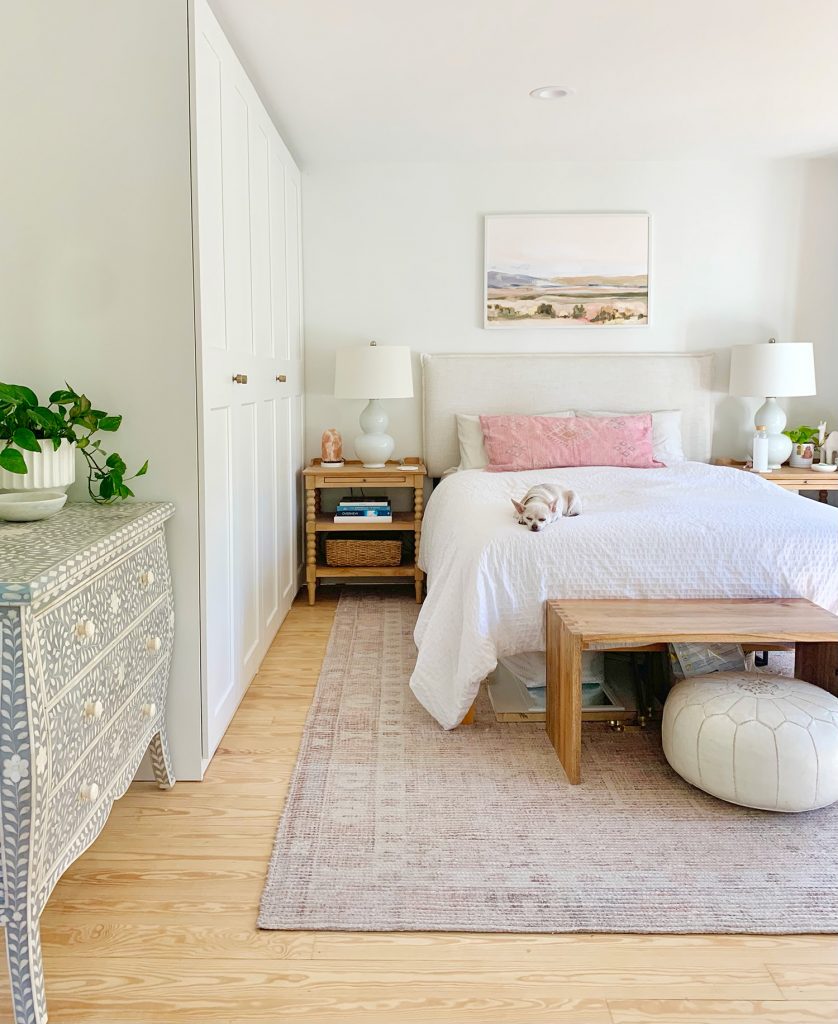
[(791, 479), (353, 474)]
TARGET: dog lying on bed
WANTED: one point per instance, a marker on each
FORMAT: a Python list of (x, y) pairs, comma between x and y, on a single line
[(544, 504)]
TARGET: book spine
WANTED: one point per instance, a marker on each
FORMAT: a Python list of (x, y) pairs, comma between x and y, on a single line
[(356, 514), (363, 511), (358, 519), (363, 504)]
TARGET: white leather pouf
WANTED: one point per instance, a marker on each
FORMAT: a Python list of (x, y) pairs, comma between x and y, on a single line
[(754, 739)]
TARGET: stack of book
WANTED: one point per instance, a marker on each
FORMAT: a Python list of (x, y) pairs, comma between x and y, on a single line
[(363, 510)]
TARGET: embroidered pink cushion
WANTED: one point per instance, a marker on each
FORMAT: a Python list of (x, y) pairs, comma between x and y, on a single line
[(540, 442)]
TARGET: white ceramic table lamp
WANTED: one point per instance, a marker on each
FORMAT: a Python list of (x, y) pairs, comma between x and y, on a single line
[(374, 372), (773, 370)]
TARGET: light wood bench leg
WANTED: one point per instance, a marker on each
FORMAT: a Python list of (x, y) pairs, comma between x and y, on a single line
[(564, 696), (468, 718)]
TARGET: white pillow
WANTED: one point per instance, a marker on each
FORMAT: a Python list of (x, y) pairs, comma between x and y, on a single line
[(470, 434), (666, 434)]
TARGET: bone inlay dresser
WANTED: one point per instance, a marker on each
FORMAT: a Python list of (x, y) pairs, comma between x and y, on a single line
[(86, 632)]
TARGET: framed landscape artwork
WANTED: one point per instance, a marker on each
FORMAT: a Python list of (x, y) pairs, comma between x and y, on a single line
[(567, 270)]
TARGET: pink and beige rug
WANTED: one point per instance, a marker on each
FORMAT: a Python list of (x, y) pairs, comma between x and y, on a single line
[(393, 824)]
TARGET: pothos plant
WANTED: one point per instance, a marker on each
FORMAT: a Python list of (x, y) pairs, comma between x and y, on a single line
[(24, 422), (802, 435)]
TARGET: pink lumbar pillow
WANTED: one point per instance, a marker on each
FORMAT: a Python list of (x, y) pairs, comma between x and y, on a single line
[(539, 442)]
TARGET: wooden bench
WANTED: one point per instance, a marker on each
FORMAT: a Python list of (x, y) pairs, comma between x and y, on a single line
[(576, 626)]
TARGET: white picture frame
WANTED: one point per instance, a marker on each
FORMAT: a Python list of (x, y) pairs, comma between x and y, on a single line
[(572, 270)]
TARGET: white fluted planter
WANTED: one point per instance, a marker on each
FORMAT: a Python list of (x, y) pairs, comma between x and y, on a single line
[(50, 471)]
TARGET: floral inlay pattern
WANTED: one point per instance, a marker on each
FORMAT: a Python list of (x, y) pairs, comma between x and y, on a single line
[(78, 678)]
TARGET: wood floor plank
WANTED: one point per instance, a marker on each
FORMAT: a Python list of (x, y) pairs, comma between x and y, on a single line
[(722, 1011), (156, 923), (813, 980)]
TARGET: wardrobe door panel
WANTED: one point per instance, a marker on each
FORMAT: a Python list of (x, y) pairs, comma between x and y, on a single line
[(221, 675), (235, 155), (260, 242), (293, 273), (279, 286), (247, 539), (269, 488)]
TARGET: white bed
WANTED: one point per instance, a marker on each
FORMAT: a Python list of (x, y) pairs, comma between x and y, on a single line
[(690, 530)]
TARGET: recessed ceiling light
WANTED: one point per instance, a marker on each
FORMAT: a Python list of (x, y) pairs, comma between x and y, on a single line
[(551, 92)]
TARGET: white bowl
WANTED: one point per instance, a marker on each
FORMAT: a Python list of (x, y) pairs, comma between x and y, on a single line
[(28, 506), (824, 467)]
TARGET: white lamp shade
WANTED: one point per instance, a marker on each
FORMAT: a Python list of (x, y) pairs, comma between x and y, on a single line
[(373, 371), (776, 369)]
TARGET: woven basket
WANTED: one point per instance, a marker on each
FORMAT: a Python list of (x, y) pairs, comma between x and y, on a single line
[(354, 552)]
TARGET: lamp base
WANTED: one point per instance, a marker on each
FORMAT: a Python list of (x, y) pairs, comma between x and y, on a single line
[(772, 417), (374, 447)]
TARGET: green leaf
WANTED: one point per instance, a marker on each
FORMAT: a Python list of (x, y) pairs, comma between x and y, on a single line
[(12, 461), (110, 423), (125, 491), (143, 469), (56, 443), (46, 418), (115, 462), (63, 397), (106, 488), (82, 443), (24, 438), (23, 394)]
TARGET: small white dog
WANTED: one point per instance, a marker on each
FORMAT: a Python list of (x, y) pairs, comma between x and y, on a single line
[(544, 504)]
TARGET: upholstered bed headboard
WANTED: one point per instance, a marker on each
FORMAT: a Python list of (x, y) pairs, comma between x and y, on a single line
[(536, 383)]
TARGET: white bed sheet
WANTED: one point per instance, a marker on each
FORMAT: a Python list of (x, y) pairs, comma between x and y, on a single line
[(690, 530)]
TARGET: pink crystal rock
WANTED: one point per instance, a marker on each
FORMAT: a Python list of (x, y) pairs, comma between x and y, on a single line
[(331, 446)]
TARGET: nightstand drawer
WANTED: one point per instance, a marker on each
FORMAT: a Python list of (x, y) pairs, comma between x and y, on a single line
[(377, 479)]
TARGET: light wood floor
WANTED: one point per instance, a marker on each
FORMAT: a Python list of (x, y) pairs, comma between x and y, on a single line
[(156, 922)]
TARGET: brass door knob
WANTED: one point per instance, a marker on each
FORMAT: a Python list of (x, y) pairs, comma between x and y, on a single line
[(281, 378), (240, 378)]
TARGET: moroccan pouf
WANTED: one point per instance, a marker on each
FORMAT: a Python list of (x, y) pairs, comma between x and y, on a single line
[(754, 739)]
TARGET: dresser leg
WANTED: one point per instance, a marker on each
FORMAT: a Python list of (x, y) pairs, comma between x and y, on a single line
[(26, 971), (161, 762)]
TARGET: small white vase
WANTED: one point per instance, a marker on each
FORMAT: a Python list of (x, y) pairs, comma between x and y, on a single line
[(52, 470)]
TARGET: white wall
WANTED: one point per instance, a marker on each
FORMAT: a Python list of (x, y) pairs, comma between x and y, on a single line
[(96, 255), (740, 252)]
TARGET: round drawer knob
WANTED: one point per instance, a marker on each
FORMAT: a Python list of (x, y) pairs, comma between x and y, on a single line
[(93, 709), (149, 710), (147, 578), (89, 792), (153, 643), (86, 629)]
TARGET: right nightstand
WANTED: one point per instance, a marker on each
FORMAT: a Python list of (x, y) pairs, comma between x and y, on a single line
[(791, 479)]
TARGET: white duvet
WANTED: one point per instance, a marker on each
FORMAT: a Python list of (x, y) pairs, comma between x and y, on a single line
[(690, 530)]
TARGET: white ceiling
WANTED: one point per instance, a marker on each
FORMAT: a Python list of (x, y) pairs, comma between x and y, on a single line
[(449, 79)]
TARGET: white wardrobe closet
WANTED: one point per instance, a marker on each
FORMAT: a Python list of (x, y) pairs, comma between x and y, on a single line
[(246, 199), (156, 264)]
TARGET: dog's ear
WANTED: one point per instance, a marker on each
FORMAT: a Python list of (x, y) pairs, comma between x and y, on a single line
[(519, 508)]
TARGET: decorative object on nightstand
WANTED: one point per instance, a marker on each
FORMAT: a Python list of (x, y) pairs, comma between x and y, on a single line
[(829, 449), (374, 372), (803, 440), (365, 526), (773, 370), (331, 449), (87, 628)]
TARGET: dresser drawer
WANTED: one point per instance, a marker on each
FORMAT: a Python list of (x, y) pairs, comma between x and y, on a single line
[(103, 774), (72, 633), (85, 710)]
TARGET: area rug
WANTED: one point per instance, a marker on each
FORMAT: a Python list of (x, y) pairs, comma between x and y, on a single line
[(393, 824)]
